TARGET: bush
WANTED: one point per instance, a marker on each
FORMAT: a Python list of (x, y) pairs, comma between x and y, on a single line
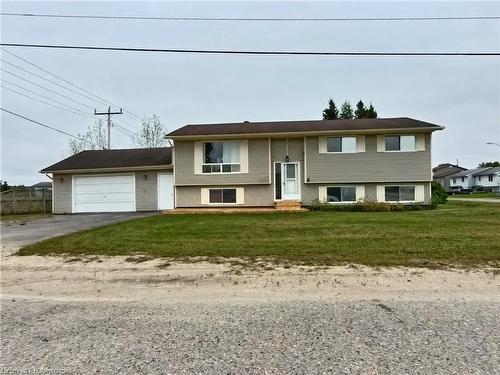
[(367, 206), (438, 194)]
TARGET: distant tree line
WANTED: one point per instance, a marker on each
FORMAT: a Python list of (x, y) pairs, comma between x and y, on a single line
[(346, 112), (487, 164)]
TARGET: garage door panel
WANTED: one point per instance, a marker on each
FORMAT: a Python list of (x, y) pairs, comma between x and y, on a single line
[(104, 193)]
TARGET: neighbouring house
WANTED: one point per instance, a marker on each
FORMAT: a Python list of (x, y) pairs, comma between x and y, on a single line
[(488, 178), (465, 179), (442, 173), (260, 164)]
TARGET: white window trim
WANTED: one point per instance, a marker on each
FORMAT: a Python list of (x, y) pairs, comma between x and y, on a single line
[(240, 196), (359, 147), (213, 173), (199, 157), (323, 195), (416, 187)]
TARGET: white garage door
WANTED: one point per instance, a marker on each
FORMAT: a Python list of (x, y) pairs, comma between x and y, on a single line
[(114, 193)]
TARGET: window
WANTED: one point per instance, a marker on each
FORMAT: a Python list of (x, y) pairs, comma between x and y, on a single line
[(222, 195), (341, 144), (454, 180), (341, 194), (400, 193), (479, 178), (463, 179), (490, 178), (221, 157), (277, 180), (400, 143)]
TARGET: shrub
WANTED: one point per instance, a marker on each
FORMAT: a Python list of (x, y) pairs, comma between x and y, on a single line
[(367, 206), (439, 195)]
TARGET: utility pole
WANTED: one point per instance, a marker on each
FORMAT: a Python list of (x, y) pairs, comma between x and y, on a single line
[(109, 113)]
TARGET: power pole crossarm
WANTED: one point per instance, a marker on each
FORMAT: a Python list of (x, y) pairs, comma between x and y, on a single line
[(108, 113)]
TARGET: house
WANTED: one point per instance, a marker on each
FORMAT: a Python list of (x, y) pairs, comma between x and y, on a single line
[(261, 164), (465, 179), (442, 173), (488, 178)]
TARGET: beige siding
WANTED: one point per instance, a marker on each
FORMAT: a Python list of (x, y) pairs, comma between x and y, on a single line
[(258, 166), (253, 195), (146, 191), (61, 193), (369, 166)]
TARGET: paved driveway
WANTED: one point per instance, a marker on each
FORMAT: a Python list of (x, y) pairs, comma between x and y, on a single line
[(16, 234)]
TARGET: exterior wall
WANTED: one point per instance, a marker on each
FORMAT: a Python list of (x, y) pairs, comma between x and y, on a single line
[(368, 166), (61, 193), (258, 166), (495, 184), (254, 196), (146, 191), (466, 184)]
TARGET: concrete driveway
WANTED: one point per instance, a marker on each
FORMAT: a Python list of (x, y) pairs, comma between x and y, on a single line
[(16, 234)]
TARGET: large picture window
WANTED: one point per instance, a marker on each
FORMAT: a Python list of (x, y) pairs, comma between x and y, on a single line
[(400, 143), (341, 194), (341, 144), (222, 195), (400, 193), (221, 157)]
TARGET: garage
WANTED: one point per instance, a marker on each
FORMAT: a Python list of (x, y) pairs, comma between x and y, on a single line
[(104, 193)]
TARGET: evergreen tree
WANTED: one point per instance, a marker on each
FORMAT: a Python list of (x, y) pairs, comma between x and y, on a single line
[(371, 112), (331, 112), (360, 110), (346, 112), (486, 164)]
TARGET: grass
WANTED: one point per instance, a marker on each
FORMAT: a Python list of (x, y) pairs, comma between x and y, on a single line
[(22, 217), (477, 195), (462, 234)]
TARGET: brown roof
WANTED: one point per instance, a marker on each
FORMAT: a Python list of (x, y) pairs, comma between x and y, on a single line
[(301, 126), (96, 159)]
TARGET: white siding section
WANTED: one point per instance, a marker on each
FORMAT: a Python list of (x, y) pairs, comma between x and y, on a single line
[(240, 195), (380, 193), (205, 196), (419, 193), (198, 157), (380, 143), (360, 143), (360, 192), (322, 145), (420, 142), (244, 156)]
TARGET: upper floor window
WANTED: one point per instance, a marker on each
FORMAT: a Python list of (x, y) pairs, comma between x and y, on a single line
[(400, 143), (490, 177), (341, 144), (221, 157), (479, 178)]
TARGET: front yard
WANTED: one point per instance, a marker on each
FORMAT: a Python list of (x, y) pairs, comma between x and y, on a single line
[(464, 234)]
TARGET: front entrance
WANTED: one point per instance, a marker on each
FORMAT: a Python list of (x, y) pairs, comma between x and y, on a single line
[(287, 181)]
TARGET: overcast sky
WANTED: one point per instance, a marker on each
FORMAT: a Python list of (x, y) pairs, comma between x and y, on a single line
[(461, 93)]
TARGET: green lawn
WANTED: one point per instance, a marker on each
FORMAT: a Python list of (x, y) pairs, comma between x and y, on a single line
[(22, 217), (456, 233), (477, 195)]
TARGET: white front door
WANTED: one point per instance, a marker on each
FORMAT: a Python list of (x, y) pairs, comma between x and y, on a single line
[(290, 180), (165, 191)]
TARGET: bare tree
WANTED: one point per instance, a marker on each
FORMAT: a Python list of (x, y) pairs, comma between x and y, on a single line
[(93, 139), (151, 133)]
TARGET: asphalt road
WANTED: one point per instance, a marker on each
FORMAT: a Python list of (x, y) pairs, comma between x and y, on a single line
[(364, 337), (20, 233)]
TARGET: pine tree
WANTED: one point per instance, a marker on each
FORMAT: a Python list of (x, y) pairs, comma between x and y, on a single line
[(346, 112), (360, 110), (371, 112), (331, 112)]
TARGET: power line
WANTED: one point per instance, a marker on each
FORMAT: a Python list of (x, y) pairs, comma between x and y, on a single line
[(45, 97), (38, 123), (246, 52), (104, 101), (251, 19), (45, 88), (48, 80), (44, 102)]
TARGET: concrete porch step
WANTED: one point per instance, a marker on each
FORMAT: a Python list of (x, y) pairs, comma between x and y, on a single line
[(289, 205)]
